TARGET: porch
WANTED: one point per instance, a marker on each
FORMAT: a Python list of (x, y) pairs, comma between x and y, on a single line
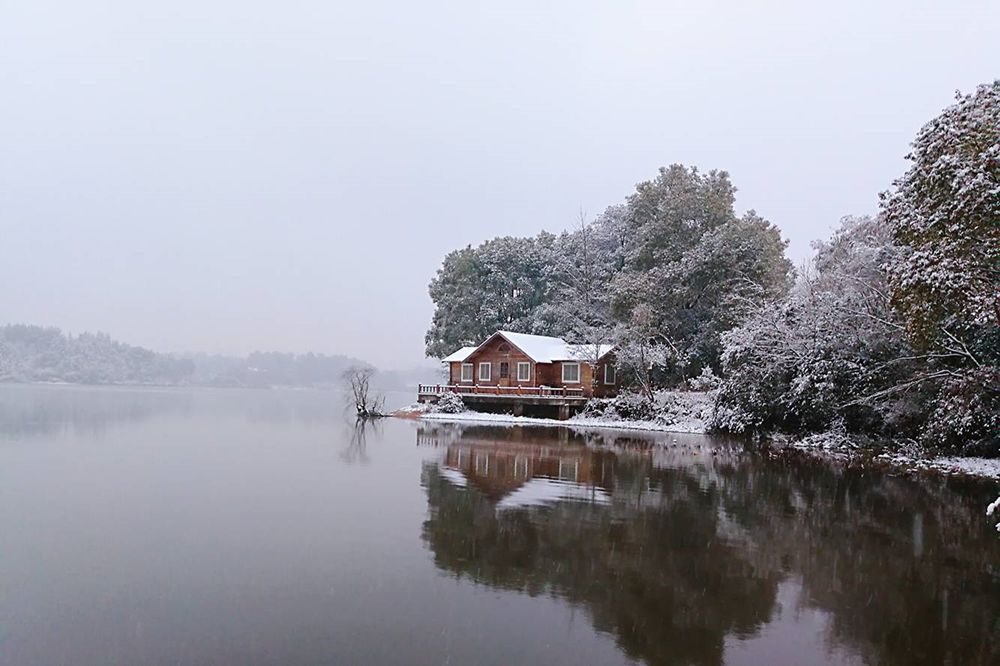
[(561, 402)]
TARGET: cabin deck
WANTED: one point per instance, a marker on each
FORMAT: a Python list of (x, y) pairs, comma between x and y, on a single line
[(563, 401)]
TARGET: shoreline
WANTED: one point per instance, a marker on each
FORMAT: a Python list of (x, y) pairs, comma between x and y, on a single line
[(692, 427), (987, 469)]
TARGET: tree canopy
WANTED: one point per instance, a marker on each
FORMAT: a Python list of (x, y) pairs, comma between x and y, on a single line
[(675, 250)]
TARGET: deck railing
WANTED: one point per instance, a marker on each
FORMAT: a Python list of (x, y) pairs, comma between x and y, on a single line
[(507, 391)]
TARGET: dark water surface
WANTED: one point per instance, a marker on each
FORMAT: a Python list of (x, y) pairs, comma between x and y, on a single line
[(260, 527)]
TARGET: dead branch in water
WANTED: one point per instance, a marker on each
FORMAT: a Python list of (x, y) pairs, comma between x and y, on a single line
[(368, 404)]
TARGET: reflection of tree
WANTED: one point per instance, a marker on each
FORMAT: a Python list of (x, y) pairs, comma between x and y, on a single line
[(691, 549), (907, 568), (658, 580), (357, 446)]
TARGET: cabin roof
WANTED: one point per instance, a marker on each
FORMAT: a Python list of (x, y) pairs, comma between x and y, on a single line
[(540, 348), (460, 355)]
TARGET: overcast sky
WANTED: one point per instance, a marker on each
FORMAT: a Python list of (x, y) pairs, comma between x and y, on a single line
[(191, 175)]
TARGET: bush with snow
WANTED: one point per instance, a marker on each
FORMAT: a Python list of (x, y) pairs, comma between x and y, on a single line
[(667, 408), (625, 407), (449, 403), (706, 381), (673, 407), (991, 509)]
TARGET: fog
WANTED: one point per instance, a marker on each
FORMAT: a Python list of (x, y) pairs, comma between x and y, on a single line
[(239, 176)]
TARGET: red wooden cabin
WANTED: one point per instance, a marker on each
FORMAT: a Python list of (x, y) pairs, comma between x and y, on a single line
[(521, 364)]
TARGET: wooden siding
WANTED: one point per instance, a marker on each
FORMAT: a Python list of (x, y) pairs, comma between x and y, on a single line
[(498, 351)]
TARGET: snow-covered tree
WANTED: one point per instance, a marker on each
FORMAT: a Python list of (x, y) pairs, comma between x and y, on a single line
[(642, 352), (694, 264), (664, 274), (827, 352), (500, 284), (945, 215)]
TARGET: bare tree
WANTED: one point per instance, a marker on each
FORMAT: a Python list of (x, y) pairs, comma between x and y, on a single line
[(582, 307), (367, 402)]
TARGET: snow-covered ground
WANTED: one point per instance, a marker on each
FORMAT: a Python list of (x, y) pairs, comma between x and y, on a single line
[(838, 446), (674, 411), (692, 415), (987, 468), (688, 426)]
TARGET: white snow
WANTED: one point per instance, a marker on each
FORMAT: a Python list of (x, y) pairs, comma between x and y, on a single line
[(988, 468), (692, 426), (455, 477), (586, 352), (540, 348), (460, 355), (543, 490)]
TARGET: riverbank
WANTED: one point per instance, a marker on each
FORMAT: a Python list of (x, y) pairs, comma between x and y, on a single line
[(686, 412), (839, 448), (692, 426), (835, 449)]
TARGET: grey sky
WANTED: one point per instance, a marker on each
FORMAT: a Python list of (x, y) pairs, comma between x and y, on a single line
[(232, 176)]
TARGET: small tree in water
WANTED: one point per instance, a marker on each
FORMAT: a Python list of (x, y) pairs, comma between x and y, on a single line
[(367, 403)]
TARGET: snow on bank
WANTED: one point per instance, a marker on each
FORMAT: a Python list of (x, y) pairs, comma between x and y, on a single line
[(837, 445), (672, 411), (692, 426), (987, 468)]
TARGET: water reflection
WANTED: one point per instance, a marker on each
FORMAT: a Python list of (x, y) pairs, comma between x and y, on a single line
[(232, 526), (688, 552)]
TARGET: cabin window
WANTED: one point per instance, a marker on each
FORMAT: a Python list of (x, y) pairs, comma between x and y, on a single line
[(609, 374), (466, 372), (523, 371), (504, 369), (521, 467), (485, 371), (571, 373), (504, 348)]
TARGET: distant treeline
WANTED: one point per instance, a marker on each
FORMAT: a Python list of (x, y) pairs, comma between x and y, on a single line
[(46, 354)]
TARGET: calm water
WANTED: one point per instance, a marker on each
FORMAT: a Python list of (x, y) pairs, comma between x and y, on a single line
[(260, 527)]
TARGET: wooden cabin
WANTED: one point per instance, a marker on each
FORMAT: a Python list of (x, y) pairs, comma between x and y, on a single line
[(529, 370)]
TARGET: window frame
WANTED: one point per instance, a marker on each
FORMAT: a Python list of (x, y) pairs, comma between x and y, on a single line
[(570, 381), (472, 373), (489, 371), (525, 364), (614, 374), (501, 374)]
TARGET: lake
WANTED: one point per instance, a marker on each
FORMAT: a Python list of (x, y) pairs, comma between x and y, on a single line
[(199, 526)]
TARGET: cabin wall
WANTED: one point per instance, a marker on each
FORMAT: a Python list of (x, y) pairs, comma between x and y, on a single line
[(499, 351), (602, 390)]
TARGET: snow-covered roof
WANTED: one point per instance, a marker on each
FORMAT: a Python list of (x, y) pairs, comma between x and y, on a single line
[(542, 490), (586, 352), (540, 348), (454, 476), (460, 355)]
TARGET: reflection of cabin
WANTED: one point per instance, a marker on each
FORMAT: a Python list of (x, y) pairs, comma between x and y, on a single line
[(520, 474), (517, 370)]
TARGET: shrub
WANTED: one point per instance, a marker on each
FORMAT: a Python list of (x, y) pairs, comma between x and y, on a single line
[(450, 403)]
